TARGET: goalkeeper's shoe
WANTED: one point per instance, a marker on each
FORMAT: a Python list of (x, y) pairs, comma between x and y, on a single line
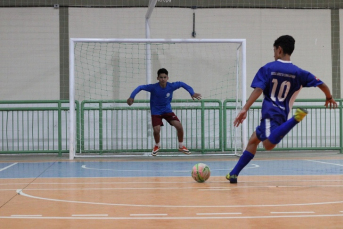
[(155, 150), (184, 150), (231, 178), (300, 114)]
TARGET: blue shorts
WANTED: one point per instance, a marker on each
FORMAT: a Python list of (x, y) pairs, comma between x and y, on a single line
[(266, 127)]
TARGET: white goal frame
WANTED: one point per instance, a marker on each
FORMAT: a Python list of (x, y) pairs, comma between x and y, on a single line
[(72, 41)]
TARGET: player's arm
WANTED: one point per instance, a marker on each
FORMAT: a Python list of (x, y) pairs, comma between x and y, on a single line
[(242, 115), (189, 89), (131, 99), (329, 99), (196, 96)]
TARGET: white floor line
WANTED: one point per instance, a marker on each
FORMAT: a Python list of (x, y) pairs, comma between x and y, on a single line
[(8, 166), (20, 192), (26, 215), (176, 218), (95, 215), (148, 214), (292, 212), (162, 182), (325, 162), (251, 166), (221, 213), (214, 189)]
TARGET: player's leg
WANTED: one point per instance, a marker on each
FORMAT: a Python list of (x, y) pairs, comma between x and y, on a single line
[(270, 132), (156, 123), (174, 121), (278, 133), (244, 160), (178, 126), (156, 148)]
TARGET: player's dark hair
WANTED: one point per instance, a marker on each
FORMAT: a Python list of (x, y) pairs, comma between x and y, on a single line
[(286, 42), (162, 70)]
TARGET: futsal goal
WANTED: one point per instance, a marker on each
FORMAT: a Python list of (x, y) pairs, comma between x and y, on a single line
[(104, 72)]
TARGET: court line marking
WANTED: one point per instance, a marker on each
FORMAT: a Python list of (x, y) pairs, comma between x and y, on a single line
[(95, 215), (325, 162), (171, 188), (84, 189), (148, 214), (221, 213), (292, 212), (174, 171), (170, 182), (20, 192), (26, 215), (177, 218), (8, 166), (213, 189)]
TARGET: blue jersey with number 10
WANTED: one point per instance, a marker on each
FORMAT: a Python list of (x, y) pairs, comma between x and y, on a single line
[(281, 82)]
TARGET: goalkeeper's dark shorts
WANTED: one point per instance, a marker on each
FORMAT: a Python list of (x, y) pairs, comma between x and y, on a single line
[(157, 119)]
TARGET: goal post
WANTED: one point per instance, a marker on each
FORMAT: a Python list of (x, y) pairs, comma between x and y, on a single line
[(109, 69)]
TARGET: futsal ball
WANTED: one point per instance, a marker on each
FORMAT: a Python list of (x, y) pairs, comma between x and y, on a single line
[(201, 172)]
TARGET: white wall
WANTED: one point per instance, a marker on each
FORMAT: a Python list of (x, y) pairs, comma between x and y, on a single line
[(29, 59), (310, 28), (261, 27)]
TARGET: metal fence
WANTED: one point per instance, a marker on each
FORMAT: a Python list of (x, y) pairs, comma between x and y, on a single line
[(34, 126), (114, 127)]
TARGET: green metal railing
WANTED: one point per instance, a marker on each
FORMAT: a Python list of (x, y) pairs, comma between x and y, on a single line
[(34, 126), (113, 126)]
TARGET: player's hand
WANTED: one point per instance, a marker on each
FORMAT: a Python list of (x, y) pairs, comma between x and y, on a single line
[(330, 103), (196, 96), (242, 115), (130, 101)]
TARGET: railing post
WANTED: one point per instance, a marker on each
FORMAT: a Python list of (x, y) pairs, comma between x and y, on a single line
[(59, 129), (77, 125), (82, 126), (225, 125), (341, 125), (100, 127), (202, 127), (220, 126)]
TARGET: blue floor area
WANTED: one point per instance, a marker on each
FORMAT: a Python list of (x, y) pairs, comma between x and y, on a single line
[(165, 168)]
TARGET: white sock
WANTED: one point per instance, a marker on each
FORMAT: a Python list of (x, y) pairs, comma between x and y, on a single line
[(180, 144), (158, 144)]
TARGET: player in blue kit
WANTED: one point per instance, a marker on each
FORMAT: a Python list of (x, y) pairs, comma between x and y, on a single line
[(280, 82), (161, 95)]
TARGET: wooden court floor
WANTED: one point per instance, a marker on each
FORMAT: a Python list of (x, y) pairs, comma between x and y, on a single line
[(257, 201)]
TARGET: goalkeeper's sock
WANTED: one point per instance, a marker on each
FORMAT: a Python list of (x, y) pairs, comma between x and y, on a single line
[(242, 162)]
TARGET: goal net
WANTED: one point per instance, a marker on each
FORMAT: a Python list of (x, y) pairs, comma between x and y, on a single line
[(104, 72)]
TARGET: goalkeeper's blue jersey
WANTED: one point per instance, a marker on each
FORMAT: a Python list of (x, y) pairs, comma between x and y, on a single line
[(281, 82), (160, 98)]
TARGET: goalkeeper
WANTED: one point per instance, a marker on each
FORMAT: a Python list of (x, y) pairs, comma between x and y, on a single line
[(161, 95)]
